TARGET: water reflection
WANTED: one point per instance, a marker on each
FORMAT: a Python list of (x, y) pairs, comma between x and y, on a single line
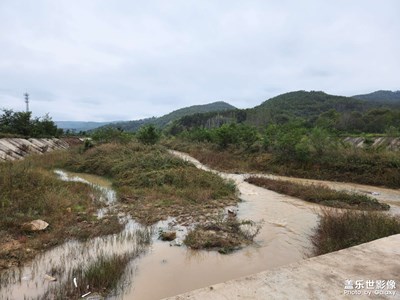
[(29, 281)]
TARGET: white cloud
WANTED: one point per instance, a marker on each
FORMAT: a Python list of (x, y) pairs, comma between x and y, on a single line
[(102, 60)]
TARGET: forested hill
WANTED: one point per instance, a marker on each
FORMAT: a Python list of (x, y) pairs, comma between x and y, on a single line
[(342, 113), (161, 122), (381, 96), (303, 103)]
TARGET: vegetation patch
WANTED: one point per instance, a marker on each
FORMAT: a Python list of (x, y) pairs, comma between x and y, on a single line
[(167, 235), (29, 192), (105, 276), (100, 277), (153, 184), (299, 153), (319, 194), (342, 229), (222, 234)]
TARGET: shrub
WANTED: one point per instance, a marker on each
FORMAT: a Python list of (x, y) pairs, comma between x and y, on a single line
[(342, 229), (148, 135), (320, 194)]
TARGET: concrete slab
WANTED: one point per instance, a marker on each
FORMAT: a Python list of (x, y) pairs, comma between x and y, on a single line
[(18, 148), (321, 277)]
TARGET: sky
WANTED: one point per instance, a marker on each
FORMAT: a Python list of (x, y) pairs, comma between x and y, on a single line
[(101, 60)]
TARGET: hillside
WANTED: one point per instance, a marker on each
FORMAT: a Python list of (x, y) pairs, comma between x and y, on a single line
[(381, 96), (79, 125), (280, 109), (301, 104), (346, 113), (175, 115)]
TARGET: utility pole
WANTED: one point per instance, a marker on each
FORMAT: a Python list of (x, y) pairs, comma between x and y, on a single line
[(27, 101)]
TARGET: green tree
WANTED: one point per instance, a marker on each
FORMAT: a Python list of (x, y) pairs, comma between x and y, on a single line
[(226, 134), (110, 134), (248, 135), (148, 134)]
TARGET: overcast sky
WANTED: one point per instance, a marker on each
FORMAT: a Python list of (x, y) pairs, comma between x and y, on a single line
[(108, 60)]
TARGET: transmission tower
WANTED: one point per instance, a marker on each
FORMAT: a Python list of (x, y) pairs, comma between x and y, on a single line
[(27, 101)]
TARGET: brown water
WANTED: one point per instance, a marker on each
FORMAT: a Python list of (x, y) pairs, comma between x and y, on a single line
[(283, 239), (29, 281), (165, 270)]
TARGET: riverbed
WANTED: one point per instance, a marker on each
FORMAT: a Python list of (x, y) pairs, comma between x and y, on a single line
[(161, 270)]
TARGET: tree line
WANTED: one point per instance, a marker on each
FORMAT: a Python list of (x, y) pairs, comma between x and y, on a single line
[(23, 125)]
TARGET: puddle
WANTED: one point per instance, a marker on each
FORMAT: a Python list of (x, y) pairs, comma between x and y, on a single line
[(29, 281)]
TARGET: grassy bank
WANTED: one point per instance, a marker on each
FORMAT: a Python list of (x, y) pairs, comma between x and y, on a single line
[(29, 192), (342, 229), (320, 194), (222, 234), (365, 166), (153, 184)]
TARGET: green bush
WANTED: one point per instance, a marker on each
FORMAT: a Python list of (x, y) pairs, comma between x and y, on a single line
[(148, 135)]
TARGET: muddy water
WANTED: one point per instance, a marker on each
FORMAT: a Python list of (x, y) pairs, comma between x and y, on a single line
[(165, 270), (283, 239), (29, 282)]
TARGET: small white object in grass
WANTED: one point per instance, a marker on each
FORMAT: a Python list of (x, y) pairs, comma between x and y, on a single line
[(49, 278), (375, 193), (75, 282), (88, 293)]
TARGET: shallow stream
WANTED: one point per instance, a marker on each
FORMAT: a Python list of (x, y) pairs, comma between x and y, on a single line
[(163, 270)]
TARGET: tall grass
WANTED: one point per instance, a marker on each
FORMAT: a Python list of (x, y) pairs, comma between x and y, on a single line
[(342, 229), (320, 194), (106, 275), (367, 166), (152, 182), (29, 191)]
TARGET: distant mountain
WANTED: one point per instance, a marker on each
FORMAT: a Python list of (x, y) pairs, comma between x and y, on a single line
[(381, 96), (167, 119), (79, 125), (285, 107), (303, 103)]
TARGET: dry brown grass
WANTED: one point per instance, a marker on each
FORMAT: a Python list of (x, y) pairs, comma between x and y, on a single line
[(342, 229), (222, 234), (320, 194), (381, 168)]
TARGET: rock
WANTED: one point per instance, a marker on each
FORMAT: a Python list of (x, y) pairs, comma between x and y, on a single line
[(168, 235), (231, 212), (49, 278), (35, 225), (177, 242)]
